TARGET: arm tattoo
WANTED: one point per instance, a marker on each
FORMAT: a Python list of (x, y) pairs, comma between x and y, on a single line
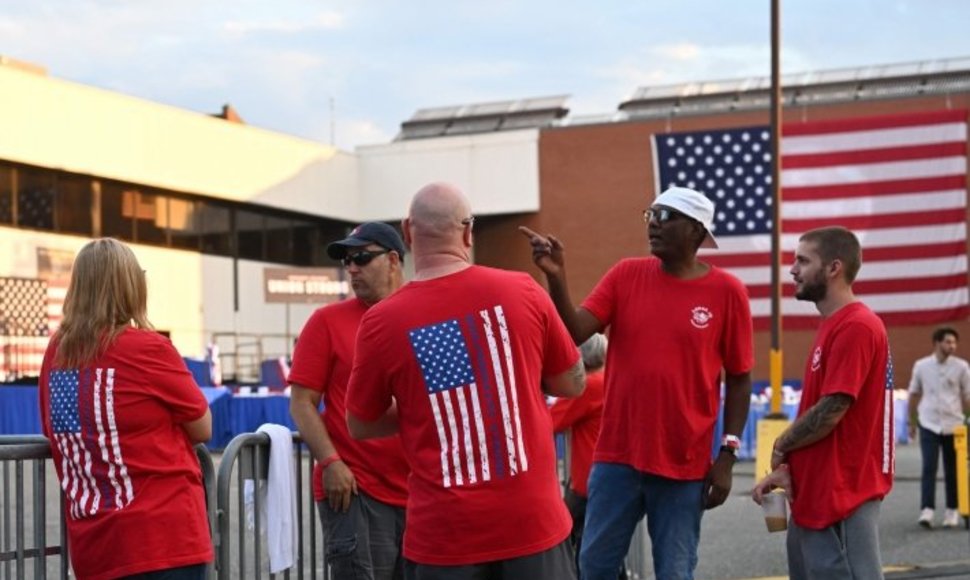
[(822, 417), (577, 374)]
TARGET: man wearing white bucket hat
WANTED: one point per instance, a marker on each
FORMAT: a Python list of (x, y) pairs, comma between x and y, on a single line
[(675, 323)]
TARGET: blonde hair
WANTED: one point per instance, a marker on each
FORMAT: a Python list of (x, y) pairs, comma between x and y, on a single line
[(107, 293)]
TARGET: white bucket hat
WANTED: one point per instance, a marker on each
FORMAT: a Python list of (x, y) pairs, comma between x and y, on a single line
[(694, 205)]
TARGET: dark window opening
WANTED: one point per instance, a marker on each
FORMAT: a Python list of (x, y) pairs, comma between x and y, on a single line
[(73, 205), (35, 199), (216, 228), (250, 234), (6, 194), (279, 240)]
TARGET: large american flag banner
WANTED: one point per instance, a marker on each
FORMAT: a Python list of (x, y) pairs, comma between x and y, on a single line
[(899, 182), (94, 474), (469, 372)]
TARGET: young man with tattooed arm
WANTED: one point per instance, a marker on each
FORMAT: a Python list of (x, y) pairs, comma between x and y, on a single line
[(836, 460)]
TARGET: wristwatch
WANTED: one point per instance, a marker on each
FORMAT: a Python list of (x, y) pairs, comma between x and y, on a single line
[(731, 444)]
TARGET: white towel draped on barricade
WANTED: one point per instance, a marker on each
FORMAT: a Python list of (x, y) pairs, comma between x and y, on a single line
[(277, 498)]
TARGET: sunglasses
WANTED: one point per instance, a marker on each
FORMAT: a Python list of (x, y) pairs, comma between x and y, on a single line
[(661, 214), (362, 258)]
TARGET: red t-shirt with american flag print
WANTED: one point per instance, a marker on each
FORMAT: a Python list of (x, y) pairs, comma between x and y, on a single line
[(134, 496), (854, 463), (463, 356)]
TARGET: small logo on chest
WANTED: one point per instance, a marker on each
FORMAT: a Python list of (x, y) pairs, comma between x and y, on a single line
[(701, 317), (817, 358)]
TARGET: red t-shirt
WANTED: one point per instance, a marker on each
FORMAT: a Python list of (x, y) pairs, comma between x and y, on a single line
[(669, 340), (322, 362), (133, 486), (855, 463), (463, 356), (582, 416)]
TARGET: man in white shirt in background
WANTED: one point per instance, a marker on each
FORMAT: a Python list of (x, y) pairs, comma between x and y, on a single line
[(939, 395)]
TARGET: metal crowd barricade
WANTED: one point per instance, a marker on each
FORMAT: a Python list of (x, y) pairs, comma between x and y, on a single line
[(246, 456), (209, 483), (637, 564), (16, 556)]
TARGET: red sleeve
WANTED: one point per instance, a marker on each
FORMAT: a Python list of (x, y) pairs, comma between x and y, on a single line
[(601, 302), (169, 381), (851, 353), (309, 369), (369, 390), (738, 347), (567, 412)]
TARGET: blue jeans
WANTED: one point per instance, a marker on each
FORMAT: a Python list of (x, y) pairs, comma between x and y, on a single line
[(619, 496), (931, 444)]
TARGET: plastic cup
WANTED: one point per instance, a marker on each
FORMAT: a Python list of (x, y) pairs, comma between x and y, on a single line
[(775, 506)]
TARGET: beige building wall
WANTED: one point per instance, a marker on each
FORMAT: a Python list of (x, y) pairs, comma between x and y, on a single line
[(58, 124)]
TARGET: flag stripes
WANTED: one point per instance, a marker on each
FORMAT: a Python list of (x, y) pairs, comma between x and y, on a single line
[(899, 182), (469, 371), (95, 475)]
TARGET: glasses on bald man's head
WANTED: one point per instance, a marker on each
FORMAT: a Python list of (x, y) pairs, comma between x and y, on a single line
[(468, 221)]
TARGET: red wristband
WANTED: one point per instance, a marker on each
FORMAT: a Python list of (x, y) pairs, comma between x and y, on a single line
[(330, 460)]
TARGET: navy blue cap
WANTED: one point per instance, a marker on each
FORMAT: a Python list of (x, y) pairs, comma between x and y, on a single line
[(368, 233)]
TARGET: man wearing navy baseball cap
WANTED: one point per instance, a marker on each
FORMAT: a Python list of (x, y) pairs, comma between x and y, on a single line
[(368, 233), (360, 486), (676, 323)]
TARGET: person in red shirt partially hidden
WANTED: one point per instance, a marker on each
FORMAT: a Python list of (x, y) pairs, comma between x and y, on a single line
[(360, 486), (582, 416)]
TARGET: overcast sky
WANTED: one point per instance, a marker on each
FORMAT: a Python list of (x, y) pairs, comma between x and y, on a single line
[(280, 62)]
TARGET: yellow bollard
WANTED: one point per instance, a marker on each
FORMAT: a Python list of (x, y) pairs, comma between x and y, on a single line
[(768, 431), (963, 485), (772, 425)]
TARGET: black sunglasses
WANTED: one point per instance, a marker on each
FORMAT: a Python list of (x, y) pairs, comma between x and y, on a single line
[(362, 258)]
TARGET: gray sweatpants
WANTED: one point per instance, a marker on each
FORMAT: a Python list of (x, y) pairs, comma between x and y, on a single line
[(846, 550)]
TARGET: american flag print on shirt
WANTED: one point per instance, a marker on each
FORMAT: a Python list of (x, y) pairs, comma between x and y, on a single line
[(898, 182), (94, 474), (888, 418), (469, 372)]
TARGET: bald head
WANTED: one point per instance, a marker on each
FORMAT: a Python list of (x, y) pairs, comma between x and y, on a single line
[(439, 230), (437, 211)]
